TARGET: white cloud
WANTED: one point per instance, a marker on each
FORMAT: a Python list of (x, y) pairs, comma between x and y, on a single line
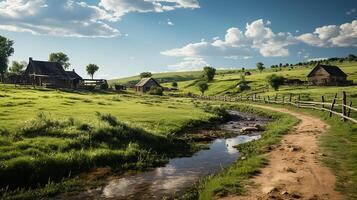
[(317, 59), (351, 12), (344, 35), (189, 63), (238, 44), (76, 18), (55, 17), (122, 7), (170, 23)]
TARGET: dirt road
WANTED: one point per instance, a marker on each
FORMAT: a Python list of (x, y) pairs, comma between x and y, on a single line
[(294, 171)]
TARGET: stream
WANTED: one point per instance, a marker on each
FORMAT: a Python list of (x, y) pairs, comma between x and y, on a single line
[(181, 173)]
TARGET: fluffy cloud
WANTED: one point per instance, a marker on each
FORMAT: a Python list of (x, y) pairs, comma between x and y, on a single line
[(238, 44), (76, 18), (55, 17), (332, 36), (189, 63), (121, 7)]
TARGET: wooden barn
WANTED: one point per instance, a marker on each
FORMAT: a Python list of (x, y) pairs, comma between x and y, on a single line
[(326, 75), (145, 84), (50, 74)]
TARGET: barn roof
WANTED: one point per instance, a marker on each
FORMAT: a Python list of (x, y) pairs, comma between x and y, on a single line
[(73, 75), (144, 81), (47, 68), (332, 70)]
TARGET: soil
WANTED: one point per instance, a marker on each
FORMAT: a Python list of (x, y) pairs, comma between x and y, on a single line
[(294, 170)]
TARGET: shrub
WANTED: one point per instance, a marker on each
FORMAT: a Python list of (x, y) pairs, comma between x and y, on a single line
[(202, 86), (275, 81), (156, 91)]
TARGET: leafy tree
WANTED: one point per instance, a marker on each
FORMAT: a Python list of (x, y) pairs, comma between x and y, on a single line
[(60, 58), (17, 67), (275, 81), (174, 84), (260, 66), (202, 86), (6, 50), (145, 75), (92, 69), (209, 73), (351, 57)]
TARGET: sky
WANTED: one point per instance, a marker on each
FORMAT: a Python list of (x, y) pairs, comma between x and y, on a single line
[(127, 37)]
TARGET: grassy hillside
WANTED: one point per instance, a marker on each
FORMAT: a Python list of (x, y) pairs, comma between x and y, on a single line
[(161, 77), (225, 84)]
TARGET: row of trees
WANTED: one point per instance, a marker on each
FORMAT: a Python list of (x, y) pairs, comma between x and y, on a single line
[(7, 50)]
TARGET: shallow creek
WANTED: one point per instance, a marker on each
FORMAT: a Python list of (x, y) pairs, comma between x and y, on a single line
[(181, 173)]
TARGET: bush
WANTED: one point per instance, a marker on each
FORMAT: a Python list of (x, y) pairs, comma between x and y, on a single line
[(202, 86), (275, 81), (156, 91)]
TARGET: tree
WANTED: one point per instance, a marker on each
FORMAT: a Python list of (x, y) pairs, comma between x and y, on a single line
[(92, 69), (275, 81), (209, 73), (60, 58), (17, 67), (174, 84), (351, 57), (202, 86), (260, 66), (6, 50), (145, 75)]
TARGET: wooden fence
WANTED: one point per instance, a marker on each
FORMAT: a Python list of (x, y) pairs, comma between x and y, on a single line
[(336, 106)]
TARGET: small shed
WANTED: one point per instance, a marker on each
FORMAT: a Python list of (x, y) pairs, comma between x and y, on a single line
[(327, 75), (145, 84), (74, 78)]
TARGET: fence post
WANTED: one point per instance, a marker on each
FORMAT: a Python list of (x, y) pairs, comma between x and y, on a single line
[(276, 98), (344, 104), (283, 99), (323, 101), (349, 110), (333, 104), (290, 97), (298, 101)]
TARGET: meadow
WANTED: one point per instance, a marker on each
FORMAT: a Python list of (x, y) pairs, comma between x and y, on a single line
[(47, 135)]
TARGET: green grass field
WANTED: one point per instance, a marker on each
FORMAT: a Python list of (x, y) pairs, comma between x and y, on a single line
[(47, 135)]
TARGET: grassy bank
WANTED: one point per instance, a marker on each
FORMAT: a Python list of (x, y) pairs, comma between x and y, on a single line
[(232, 179)]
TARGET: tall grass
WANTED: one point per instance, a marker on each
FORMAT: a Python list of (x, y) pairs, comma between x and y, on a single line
[(46, 149)]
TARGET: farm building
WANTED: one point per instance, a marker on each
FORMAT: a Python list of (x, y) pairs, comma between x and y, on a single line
[(145, 84), (327, 75), (50, 74)]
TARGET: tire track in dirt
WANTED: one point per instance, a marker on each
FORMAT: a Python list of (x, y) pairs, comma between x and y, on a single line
[(294, 171)]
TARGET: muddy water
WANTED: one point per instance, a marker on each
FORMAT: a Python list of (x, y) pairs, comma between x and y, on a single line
[(181, 173)]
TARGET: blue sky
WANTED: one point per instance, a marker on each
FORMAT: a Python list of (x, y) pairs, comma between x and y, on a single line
[(126, 37)]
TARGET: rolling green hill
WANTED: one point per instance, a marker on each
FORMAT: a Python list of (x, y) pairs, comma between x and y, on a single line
[(225, 82)]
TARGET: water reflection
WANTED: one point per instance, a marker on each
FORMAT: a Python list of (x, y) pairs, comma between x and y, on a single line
[(181, 173)]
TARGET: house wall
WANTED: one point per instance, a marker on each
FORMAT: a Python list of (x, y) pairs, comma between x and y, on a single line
[(321, 77), (147, 86)]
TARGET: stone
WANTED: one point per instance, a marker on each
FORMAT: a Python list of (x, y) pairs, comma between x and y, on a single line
[(249, 129)]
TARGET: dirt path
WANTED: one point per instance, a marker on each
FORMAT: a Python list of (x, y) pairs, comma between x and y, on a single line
[(294, 171)]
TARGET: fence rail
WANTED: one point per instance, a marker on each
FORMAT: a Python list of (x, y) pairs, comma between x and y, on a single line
[(340, 109)]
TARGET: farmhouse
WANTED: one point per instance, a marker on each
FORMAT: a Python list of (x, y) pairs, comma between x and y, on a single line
[(145, 84), (50, 74), (327, 75)]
